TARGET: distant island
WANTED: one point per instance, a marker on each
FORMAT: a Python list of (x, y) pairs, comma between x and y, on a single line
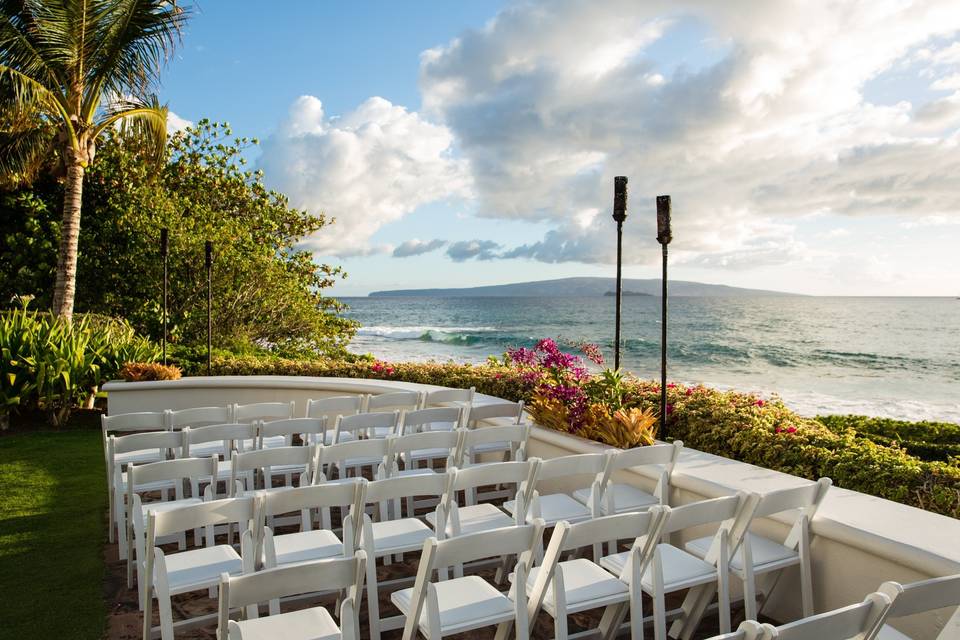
[(584, 287), (627, 293)]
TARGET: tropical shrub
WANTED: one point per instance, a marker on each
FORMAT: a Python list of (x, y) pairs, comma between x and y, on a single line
[(926, 440), (148, 371), (50, 364)]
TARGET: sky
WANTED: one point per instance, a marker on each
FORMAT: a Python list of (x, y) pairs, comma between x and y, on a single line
[(807, 147)]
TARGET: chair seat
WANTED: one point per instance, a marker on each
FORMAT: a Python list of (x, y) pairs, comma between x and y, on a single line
[(489, 447), (586, 586), (463, 603), (626, 498), (767, 554), (201, 568), (379, 432), (306, 624), (555, 507), (304, 546), (478, 517), (394, 536), (359, 462), (680, 569), (422, 454), (889, 633)]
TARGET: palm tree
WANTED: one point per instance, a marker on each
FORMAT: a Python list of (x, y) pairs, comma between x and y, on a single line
[(69, 70)]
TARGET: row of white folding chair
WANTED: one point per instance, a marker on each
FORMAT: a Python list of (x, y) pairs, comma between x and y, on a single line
[(867, 620)]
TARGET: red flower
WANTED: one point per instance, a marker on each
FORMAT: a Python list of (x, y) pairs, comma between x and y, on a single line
[(759, 403)]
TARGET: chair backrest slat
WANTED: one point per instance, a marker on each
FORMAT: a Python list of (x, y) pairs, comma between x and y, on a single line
[(259, 411), (486, 544), (786, 499), (444, 396), (433, 419), (479, 413), (312, 428), (427, 440), (843, 623), (616, 527), (363, 422), (700, 513), (164, 470), (333, 406), (575, 465), (278, 456), (394, 400), (280, 582), (214, 432), (198, 417), (925, 595), (147, 440), (639, 456), (497, 472), (139, 421), (338, 494), (432, 484), (194, 516)]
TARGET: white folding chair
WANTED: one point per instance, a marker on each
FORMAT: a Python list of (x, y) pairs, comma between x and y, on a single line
[(484, 516), (914, 598), (333, 463), (446, 397), (150, 446), (387, 537), (759, 555), (393, 401), (203, 441), (853, 622), (264, 412), (500, 414), (363, 424), (410, 448), (247, 466), (669, 569), (142, 478), (195, 569), (248, 591), (202, 417), (310, 431), (437, 419), (447, 607), (310, 544), (579, 584), (128, 423), (332, 407), (620, 497), (554, 507)]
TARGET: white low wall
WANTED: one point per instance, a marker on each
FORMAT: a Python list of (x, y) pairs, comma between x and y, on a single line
[(859, 540)]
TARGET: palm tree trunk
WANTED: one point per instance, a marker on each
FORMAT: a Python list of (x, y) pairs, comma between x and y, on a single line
[(66, 283)]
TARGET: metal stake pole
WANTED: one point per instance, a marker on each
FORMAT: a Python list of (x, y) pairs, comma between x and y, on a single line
[(164, 252), (619, 214), (209, 260), (664, 237)]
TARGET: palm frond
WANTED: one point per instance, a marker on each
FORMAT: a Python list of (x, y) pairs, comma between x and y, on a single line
[(25, 147), (21, 45), (135, 38), (144, 120)]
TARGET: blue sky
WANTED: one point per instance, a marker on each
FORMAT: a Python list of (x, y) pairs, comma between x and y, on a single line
[(807, 150)]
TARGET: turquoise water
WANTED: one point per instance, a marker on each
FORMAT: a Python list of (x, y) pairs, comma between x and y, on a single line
[(895, 357)]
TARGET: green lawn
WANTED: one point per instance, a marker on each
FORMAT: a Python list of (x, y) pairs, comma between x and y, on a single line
[(52, 530)]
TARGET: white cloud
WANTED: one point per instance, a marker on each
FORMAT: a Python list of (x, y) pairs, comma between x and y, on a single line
[(417, 247), (550, 100), (469, 249), (175, 123), (366, 168)]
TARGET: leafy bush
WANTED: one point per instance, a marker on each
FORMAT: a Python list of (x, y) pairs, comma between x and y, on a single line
[(726, 423), (149, 371), (50, 365), (928, 441)]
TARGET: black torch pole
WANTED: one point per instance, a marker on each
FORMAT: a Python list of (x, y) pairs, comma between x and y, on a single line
[(164, 252), (663, 237), (209, 261), (619, 214)]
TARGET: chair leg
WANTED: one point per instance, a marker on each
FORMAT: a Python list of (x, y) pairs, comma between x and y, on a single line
[(613, 617), (373, 602), (165, 611), (749, 597), (560, 626), (723, 602), (113, 515), (659, 617)]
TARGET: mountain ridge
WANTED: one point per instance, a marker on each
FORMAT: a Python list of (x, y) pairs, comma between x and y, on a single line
[(586, 286)]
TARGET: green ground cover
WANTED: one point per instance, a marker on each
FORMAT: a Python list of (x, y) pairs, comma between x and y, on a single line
[(51, 535)]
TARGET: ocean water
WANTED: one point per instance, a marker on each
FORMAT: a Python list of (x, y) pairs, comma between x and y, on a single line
[(893, 357)]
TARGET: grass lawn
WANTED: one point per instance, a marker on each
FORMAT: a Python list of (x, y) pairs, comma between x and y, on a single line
[(52, 504)]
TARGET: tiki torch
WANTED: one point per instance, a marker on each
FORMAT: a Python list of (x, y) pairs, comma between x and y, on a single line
[(619, 214), (663, 237), (209, 262), (164, 253)]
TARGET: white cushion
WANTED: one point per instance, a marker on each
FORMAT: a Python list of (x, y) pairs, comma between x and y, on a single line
[(889, 633), (201, 568), (478, 517), (399, 535), (555, 507), (584, 583), (680, 569), (304, 546), (625, 498), (765, 551), (464, 603), (306, 624)]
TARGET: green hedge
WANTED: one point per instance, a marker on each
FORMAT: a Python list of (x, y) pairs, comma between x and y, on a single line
[(926, 440), (725, 423)]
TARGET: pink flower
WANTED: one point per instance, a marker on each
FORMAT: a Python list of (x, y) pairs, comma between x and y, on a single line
[(791, 429), (777, 430), (689, 392), (671, 385), (759, 403)]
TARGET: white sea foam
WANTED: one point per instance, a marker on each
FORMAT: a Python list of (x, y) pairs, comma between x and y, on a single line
[(419, 333)]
